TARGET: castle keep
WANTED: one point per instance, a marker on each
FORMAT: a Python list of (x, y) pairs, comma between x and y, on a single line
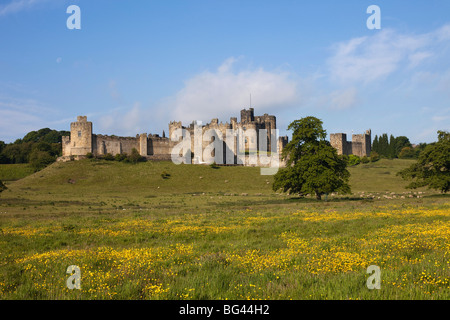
[(82, 140), (361, 144)]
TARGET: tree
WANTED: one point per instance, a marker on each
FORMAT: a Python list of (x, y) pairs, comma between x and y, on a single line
[(407, 153), (401, 142), (313, 165), (382, 147), (432, 168), (17, 153), (391, 147), (40, 159), (375, 144)]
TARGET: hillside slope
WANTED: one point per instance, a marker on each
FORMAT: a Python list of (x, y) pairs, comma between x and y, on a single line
[(84, 178)]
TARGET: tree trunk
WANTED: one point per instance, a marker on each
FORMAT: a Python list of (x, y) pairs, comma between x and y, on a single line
[(318, 196)]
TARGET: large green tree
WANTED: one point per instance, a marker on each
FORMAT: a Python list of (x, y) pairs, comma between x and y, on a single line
[(432, 168), (312, 164)]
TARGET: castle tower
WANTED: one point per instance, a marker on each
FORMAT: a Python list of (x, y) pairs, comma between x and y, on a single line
[(80, 137), (173, 125), (362, 144), (339, 141), (367, 147)]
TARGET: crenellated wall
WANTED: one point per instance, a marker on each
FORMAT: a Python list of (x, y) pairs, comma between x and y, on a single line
[(82, 141)]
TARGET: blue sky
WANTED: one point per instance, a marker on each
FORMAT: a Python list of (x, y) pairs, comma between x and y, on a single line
[(136, 65)]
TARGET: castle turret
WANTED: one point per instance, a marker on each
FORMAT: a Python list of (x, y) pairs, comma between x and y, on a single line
[(80, 138), (247, 116)]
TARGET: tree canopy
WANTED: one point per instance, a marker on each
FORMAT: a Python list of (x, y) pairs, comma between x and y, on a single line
[(390, 147), (312, 164), (432, 168), (21, 150)]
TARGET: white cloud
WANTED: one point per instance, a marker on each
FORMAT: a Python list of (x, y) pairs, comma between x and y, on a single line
[(18, 116), (343, 99), (440, 118), (17, 6), (219, 94), (124, 122), (443, 33), (371, 58), (416, 58), (224, 92)]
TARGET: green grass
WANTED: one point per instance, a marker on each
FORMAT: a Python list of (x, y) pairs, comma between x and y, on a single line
[(205, 233), (13, 172), (379, 176)]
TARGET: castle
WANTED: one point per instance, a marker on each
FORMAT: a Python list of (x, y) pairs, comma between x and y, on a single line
[(361, 144), (154, 147), (255, 135)]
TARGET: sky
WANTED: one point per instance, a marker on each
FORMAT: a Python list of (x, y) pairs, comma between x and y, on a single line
[(134, 66)]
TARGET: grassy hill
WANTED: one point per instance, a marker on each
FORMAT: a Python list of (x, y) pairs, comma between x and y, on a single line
[(380, 176), (107, 177)]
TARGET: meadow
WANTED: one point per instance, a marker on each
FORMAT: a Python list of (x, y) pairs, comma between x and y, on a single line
[(156, 230)]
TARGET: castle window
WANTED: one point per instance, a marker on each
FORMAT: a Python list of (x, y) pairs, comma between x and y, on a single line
[(79, 134)]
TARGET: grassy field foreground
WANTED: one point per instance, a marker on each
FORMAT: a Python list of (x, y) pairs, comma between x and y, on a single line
[(204, 233)]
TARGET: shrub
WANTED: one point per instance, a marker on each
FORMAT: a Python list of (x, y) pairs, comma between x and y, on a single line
[(214, 165), (374, 156), (353, 160), (365, 159), (120, 157), (108, 157), (165, 175), (89, 155), (135, 157)]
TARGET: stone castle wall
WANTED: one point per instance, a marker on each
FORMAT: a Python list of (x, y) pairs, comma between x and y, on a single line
[(361, 144), (83, 141), (103, 144)]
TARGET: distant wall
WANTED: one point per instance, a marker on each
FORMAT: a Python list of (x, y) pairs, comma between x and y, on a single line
[(114, 145)]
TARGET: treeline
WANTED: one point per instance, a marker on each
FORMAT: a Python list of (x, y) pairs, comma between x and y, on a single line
[(396, 147), (38, 148)]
